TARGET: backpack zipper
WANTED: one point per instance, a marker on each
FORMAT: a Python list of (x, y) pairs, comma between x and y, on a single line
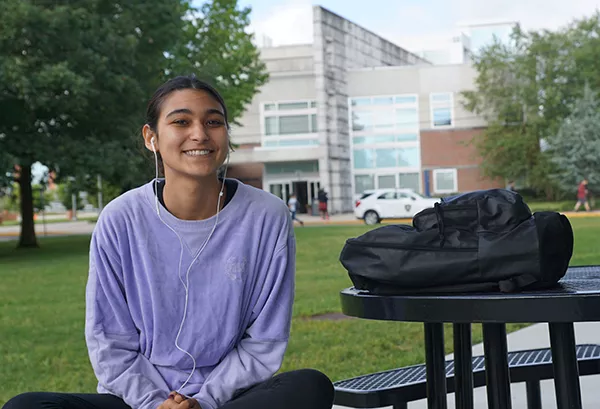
[(407, 247)]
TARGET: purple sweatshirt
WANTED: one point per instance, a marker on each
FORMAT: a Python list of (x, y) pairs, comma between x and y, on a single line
[(241, 292)]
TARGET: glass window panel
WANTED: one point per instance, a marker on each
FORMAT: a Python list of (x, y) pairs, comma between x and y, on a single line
[(292, 105), (387, 196), (270, 107), (313, 123), (409, 181), (359, 140), (383, 138), (386, 158), (357, 102), (291, 167), (386, 181), (363, 159), (363, 182), (271, 125), (442, 117), (361, 121), (407, 117), (294, 124), (408, 157), (277, 190), (446, 97), (270, 143), (313, 104), (406, 99), (384, 119), (407, 137), (383, 101), (445, 181), (294, 142)]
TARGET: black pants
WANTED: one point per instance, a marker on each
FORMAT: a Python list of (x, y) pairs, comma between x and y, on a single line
[(302, 389)]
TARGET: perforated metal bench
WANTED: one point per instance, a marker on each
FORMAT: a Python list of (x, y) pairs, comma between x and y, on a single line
[(397, 387)]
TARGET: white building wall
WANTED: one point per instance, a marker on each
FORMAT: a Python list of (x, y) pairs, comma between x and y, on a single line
[(423, 81)]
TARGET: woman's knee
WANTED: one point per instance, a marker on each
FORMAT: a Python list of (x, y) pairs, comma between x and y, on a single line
[(316, 385), (30, 400)]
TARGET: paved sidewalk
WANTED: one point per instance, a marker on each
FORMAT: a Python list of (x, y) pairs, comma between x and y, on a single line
[(83, 227)]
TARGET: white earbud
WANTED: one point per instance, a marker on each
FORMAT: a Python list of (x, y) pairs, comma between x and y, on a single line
[(152, 144)]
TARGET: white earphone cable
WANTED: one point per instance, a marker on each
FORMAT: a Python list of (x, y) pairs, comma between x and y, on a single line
[(187, 275)]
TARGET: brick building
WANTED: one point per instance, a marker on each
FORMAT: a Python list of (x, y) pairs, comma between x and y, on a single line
[(351, 112)]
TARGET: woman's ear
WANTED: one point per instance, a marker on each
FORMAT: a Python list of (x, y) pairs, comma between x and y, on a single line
[(150, 140)]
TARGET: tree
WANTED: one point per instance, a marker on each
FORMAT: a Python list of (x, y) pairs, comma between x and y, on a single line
[(575, 148), (216, 47), (72, 78), (525, 90)]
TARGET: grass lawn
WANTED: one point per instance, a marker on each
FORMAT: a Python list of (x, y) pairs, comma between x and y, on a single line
[(42, 312)]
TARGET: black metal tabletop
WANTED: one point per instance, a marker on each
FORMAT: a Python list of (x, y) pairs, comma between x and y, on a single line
[(576, 298)]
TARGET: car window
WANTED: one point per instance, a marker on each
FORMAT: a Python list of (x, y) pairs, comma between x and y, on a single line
[(365, 195), (403, 196), (387, 196)]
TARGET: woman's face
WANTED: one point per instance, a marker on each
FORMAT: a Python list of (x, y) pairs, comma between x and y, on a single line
[(192, 135)]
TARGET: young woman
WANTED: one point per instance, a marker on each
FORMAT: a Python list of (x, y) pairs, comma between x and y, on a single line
[(191, 280)]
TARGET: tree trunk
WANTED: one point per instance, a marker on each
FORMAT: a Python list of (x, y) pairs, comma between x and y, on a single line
[(28, 238)]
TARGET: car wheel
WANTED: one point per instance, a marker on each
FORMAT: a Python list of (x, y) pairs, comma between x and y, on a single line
[(371, 217)]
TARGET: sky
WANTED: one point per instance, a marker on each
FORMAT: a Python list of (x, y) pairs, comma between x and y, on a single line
[(412, 24)]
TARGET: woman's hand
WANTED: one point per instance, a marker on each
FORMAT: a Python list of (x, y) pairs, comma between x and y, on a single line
[(179, 401)]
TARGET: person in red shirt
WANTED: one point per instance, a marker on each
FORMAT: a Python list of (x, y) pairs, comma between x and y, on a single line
[(582, 196)]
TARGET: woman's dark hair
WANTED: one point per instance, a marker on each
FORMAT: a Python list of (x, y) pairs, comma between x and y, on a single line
[(176, 84)]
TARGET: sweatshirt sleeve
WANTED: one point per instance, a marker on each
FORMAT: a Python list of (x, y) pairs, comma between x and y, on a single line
[(259, 354), (111, 336)]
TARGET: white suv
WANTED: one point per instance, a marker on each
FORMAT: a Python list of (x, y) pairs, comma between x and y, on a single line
[(376, 205)]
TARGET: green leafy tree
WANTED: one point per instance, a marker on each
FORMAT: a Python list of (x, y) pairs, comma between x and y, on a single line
[(525, 90), (216, 47), (575, 150), (72, 78)]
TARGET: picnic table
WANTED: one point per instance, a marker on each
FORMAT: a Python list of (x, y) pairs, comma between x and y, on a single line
[(575, 299)]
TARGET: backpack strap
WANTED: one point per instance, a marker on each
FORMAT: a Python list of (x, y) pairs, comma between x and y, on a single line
[(516, 283)]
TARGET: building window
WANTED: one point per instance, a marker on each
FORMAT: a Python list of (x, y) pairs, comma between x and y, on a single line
[(409, 157), (383, 101), (361, 121), (407, 118), (290, 124), (387, 158), (441, 109), (384, 139), (363, 182), (406, 99), (364, 158), (383, 118), (294, 124), (409, 181), (271, 125), (357, 102), (292, 105), (445, 181), (386, 181)]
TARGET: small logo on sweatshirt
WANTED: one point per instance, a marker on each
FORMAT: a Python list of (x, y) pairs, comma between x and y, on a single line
[(235, 267)]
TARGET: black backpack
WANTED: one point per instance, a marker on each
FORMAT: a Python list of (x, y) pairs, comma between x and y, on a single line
[(479, 241)]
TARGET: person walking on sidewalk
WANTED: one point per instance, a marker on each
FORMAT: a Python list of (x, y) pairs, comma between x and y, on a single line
[(293, 205), (323, 199), (582, 196)]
